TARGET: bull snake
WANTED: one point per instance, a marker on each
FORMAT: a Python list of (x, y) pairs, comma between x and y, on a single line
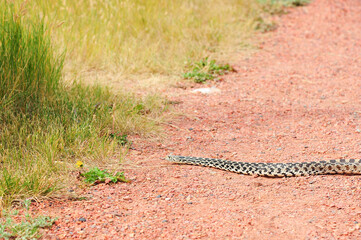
[(341, 166)]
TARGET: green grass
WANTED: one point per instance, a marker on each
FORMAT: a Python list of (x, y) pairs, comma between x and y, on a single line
[(148, 36), (47, 126), (27, 228), (95, 176), (206, 70)]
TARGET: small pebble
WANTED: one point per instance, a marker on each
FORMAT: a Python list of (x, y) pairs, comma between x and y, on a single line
[(127, 198), (312, 181), (159, 196), (206, 90), (82, 219)]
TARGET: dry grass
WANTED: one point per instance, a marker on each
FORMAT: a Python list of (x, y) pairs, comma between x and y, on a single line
[(148, 36)]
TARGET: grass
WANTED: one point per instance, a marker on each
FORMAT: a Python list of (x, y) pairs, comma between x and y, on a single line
[(27, 228), (47, 126), (95, 176), (285, 3), (206, 70), (149, 36), (278, 6)]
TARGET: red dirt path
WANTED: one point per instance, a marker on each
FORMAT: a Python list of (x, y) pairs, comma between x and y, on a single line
[(297, 99)]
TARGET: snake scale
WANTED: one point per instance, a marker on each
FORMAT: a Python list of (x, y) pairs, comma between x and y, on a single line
[(340, 166)]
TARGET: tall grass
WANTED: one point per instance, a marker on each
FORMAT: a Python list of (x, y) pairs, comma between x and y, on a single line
[(149, 36), (29, 73), (45, 126)]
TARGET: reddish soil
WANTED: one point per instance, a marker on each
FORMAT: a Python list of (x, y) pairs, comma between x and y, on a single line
[(297, 99)]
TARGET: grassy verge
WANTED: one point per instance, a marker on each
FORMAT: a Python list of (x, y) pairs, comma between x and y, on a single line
[(46, 126)]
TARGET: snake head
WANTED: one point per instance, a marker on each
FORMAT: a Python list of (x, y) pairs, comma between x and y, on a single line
[(171, 158), (178, 159)]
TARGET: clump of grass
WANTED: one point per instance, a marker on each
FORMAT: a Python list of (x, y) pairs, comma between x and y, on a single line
[(206, 70), (27, 228), (289, 3), (266, 25), (96, 176), (278, 6), (45, 125), (272, 7), (120, 138)]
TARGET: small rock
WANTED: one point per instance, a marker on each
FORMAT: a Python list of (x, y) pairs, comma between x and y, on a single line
[(206, 90), (127, 198), (164, 221), (159, 196), (82, 219)]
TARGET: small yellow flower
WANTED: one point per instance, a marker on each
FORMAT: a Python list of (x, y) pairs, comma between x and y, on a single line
[(79, 164)]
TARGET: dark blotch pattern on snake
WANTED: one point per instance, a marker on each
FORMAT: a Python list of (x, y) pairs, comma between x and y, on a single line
[(340, 166)]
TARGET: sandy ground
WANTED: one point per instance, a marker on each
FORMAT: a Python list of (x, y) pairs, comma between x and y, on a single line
[(297, 99)]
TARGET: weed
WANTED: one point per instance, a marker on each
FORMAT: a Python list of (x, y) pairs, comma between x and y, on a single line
[(95, 176), (295, 3), (121, 139), (78, 198), (265, 25), (206, 70), (27, 228), (278, 6)]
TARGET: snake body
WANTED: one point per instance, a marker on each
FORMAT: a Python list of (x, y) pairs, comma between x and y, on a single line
[(340, 166)]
